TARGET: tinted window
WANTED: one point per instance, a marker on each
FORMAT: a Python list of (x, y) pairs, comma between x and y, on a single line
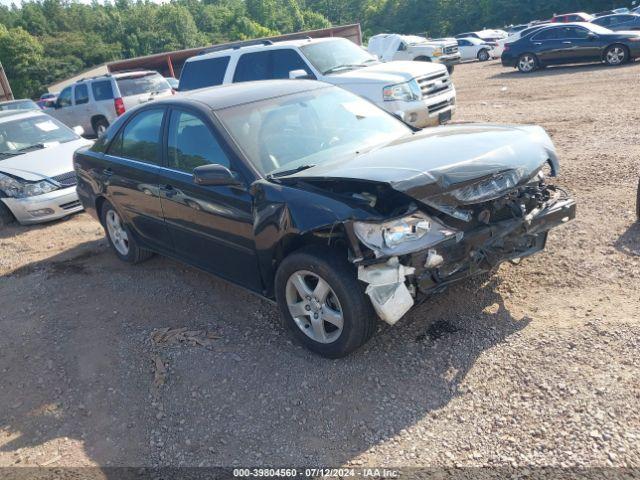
[(140, 138), (64, 99), (81, 93), (268, 65), (463, 43), (574, 32), (146, 83), (548, 34), (102, 90), (203, 73), (192, 144)]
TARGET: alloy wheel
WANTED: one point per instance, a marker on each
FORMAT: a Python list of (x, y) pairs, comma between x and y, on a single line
[(616, 55), (314, 306), (117, 233), (527, 63)]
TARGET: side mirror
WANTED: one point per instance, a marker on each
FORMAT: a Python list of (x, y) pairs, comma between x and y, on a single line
[(78, 130), (592, 36), (214, 174), (299, 75)]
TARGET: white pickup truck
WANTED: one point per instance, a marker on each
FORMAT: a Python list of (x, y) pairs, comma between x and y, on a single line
[(421, 93), (391, 46)]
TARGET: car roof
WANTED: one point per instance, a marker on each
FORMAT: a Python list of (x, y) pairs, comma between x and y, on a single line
[(260, 47), (233, 94), (8, 115)]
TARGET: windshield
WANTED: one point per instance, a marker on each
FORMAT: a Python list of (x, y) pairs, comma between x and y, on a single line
[(336, 55), (18, 136), (148, 83), (282, 134), (19, 105)]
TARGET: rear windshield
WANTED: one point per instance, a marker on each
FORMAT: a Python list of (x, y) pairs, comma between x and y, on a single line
[(203, 73), (148, 83)]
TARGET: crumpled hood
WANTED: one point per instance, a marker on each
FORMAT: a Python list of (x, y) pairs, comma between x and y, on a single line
[(437, 160), (47, 162), (387, 73)]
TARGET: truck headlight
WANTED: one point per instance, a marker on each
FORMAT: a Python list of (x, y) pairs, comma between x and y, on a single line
[(407, 91), (404, 235), (17, 188)]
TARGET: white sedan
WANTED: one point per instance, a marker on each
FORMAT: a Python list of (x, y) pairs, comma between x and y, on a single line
[(474, 49), (37, 180)]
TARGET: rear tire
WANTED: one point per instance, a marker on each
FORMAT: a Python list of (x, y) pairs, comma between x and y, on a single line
[(527, 63), (483, 55), (6, 217), (616, 55), (100, 126), (120, 238), (298, 293)]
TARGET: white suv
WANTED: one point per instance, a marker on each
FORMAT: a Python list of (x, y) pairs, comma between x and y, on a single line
[(421, 93), (95, 103)]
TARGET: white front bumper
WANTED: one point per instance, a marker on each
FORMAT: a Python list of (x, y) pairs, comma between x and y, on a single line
[(425, 112), (53, 205)]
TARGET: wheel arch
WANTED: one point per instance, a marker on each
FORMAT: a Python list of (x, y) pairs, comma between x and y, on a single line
[(422, 58)]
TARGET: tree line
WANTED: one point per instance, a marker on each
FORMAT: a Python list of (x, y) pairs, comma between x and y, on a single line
[(43, 41)]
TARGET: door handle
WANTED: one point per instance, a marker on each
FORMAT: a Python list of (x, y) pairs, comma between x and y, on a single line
[(107, 171), (168, 190), (537, 43), (567, 43)]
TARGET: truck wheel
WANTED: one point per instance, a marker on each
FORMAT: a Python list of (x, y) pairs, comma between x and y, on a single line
[(6, 217), (422, 59), (120, 238), (322, 303), (483, 55), (100, 126), (450, 69)]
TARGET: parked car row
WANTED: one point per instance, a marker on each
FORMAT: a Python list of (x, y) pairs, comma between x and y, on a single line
[(570, 43)]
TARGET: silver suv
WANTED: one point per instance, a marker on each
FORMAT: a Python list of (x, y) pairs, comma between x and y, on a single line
[(94, 103)]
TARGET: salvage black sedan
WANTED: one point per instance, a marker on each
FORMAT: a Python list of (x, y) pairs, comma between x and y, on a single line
[(312, 196), (571, 43)]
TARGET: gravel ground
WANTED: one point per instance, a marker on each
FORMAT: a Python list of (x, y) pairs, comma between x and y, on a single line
[(535, 365)]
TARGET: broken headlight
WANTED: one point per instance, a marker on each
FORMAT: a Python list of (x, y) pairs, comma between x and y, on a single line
[(489, 189), (404, 235), (16, 188)]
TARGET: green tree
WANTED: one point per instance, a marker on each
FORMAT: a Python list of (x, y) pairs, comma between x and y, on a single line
[(21, 55)]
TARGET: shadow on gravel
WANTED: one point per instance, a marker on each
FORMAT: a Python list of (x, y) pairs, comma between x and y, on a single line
[(557, 70), (629, 241), (78, 365)]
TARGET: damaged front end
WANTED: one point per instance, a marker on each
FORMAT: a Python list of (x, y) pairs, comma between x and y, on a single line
[(453, 235)]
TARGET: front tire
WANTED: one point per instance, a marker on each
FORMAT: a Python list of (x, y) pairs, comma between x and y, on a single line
[(322, 302), (6, 217), (483, 55), (120, 237), (616, 55), (527, 63)]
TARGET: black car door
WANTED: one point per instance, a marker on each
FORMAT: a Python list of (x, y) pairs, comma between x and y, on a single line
[(131, 175), (211, 226), (581, 45), (547, 45)]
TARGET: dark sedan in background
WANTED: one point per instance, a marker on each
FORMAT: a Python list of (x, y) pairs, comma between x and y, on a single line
[(571, 43), (619, 22)]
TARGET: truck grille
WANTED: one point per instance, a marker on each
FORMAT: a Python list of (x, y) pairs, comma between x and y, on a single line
[(451, 50), (439, 106), (66, 179), (431, 85)]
